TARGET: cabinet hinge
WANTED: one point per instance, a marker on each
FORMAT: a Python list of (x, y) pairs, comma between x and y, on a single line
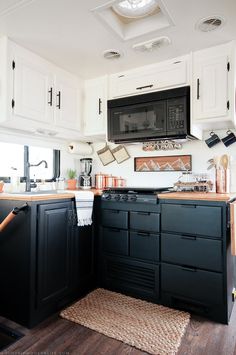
[(13, 65), (12, 103), (228, 105), (228, 66)]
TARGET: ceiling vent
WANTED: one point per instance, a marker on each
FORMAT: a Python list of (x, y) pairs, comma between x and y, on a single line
[(112, 54), (152, 44), (210, 23)]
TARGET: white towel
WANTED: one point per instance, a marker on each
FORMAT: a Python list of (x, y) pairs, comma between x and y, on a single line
[(84, 207)]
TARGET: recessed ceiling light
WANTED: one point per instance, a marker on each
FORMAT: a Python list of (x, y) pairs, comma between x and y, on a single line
[(112, 54), (135, 8), (210, 23)]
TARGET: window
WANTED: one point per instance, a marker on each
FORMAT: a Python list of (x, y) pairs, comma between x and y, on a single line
[(16, 156), (12, 156)]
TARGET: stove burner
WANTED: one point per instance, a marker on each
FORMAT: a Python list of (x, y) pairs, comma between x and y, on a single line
[(132, 194)]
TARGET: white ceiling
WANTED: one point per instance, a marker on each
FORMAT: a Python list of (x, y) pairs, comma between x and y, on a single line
[(70, 35)]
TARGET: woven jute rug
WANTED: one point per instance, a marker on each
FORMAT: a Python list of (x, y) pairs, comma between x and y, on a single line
[(152, 328)]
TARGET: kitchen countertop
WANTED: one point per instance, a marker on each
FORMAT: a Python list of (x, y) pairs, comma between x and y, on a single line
[(43, 196), (204, 196)]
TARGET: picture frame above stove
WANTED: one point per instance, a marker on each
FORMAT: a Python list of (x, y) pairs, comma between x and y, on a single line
[(170, 163)]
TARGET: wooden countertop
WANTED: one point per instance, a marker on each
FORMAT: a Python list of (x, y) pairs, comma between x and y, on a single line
[(204, 196), (43, 197)]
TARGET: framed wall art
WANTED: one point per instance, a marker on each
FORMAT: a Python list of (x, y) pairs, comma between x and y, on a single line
[(163, 163)]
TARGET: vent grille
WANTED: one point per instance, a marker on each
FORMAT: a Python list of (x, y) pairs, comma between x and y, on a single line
[(210, 23), (132, 275), (112, 54), (152, 44)]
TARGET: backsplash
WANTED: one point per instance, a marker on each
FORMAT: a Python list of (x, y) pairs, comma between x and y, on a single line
[(198, 149)]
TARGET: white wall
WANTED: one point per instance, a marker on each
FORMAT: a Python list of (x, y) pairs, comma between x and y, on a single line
[(198, 149)]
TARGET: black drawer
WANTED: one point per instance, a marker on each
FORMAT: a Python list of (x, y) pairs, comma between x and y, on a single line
[(144, 246), (192, 219), (192, 251), (145, 221), (115, 241), (199, 285), (115, 218)]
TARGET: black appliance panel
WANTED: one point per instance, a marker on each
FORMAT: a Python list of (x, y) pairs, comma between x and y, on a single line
[(135, 121), (157, 115)]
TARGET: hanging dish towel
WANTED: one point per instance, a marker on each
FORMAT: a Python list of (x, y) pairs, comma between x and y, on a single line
[(84, 207)]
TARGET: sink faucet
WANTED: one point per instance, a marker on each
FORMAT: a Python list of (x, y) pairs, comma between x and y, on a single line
[(27, 174)]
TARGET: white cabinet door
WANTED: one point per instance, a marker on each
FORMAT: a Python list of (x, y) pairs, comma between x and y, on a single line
[(210, 87), (33, 85), (95, 106), (150, 78), (66, 101)]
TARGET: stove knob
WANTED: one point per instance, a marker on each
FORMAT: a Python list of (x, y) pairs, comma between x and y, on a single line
[(117, 197), (125, 198), (107, 196), (133, 198)]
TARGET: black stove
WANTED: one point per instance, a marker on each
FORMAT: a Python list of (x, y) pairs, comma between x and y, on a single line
[(133, 194)]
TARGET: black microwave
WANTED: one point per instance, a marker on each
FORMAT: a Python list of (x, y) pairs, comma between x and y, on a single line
[(153, 116)]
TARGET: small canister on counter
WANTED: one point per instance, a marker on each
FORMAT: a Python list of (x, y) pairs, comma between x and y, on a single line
[(114, 181), (108, 181), (99, 181), (119, 182)]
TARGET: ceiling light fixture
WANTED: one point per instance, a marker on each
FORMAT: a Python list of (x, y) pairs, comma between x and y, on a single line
[(135, 8)]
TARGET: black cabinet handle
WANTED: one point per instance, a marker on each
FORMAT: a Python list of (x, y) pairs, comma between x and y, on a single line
[(142, 234), (144, 87), (188, 206), (50, 97), (198, 86), (188, 269), (115, 230), (99, 106), (144, 213), (114, 211), (59, 100), (188, 237)]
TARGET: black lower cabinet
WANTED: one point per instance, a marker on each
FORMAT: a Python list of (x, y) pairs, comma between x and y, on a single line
[(46, 261), (176, 253), (54, 252)]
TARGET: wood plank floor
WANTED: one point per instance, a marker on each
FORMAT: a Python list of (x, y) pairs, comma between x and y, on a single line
[(59, 336)]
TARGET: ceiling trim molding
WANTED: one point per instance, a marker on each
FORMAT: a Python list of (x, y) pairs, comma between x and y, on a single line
[(12, 8)]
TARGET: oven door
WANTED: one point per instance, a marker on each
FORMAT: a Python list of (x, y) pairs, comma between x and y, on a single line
[(135, 122)]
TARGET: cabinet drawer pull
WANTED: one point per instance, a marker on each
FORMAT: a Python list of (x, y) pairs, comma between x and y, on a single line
[(142, 234), (50, 97), (115, 211), (99, 106), (198, 86), (144, 213), (144, 87), (188, 206), (116, 230), (188, 269), (188, 237), (59, 100)]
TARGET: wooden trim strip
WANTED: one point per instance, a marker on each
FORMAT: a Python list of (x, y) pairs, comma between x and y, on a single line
[(233, 227)]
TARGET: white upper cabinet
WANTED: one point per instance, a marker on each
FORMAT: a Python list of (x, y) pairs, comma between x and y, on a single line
[(33, 85), (213, 87), (66, 101), (161, 76), (40, 97), (95, 106)]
